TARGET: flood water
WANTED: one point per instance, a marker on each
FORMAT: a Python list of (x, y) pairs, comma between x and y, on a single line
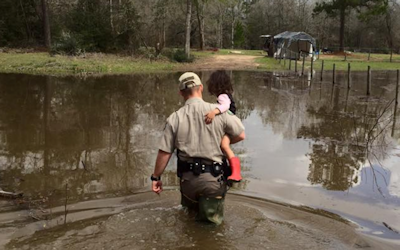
[(310, 144)]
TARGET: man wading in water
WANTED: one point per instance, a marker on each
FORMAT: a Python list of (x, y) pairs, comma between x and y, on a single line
[(200, 159)]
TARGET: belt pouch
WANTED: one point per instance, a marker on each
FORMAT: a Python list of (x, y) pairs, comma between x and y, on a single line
[(216, 169), (196, 168), (180, 168)]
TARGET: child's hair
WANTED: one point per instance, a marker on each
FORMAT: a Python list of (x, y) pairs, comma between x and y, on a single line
[(219, 83)]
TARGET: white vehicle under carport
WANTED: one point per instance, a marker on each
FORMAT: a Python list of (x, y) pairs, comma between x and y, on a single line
[(289, 44)]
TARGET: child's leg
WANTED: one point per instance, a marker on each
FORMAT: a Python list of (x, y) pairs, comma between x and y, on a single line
[(225, 146), (234, 162)]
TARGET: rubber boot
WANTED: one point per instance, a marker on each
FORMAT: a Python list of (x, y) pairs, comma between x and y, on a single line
[(234, 163), (211, 210)]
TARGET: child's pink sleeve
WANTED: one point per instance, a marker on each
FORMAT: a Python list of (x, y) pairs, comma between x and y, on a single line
[(224, 103)]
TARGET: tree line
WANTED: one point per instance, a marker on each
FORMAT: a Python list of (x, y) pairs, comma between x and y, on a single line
[(136, 25)]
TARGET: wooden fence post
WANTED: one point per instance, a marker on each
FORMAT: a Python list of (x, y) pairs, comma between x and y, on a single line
[(322, 69), (369, 54), (312, 65), (295, 62), (369, 81), (334, 74), (302, 69), (397, 88), (349, 76), (391, 55)]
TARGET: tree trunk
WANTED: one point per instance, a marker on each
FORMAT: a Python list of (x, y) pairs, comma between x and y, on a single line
[(163, 43), (27, 28), (221, 34), (389, 26), (46, 25), (188, 26), (203, 38), (342, 26), (111, 16), (200, 20), (233, 28), (220, 29)]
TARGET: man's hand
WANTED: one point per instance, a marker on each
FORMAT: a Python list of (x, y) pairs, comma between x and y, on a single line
[(157, 187), (161, 162)]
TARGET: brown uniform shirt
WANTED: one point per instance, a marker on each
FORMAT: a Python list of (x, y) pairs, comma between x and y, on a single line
[(187, 131)]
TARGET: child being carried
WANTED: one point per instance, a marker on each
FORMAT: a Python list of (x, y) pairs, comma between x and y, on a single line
[(220, 86)]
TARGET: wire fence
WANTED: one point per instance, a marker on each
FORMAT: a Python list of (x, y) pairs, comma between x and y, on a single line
[(349, 54), (301, 61), (361, 54)]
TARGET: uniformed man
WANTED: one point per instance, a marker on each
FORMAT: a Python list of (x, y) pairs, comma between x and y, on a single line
[(200, 159)]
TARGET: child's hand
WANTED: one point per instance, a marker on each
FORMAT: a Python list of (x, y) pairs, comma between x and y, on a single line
[(209, 117)]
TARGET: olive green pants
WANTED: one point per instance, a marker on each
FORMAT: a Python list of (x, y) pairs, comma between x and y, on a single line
[(205, 195)]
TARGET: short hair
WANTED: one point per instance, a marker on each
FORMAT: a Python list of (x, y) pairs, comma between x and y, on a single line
[(188, 92)]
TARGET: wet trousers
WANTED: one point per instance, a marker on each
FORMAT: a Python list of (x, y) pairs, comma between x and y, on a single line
[(205, 195)]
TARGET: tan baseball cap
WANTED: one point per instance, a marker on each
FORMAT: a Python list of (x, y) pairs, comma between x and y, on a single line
[(189, 80)]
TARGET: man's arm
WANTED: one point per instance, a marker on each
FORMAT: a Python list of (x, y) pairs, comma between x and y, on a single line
[(161, 163)]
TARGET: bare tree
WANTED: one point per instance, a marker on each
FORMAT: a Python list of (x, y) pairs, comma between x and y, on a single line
[(188, 26), (111, 16), (200, 5), (46, 24)]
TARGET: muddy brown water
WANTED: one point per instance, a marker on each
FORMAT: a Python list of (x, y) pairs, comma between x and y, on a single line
[(321, 164)]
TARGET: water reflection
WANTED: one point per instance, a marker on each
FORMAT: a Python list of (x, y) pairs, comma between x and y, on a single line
[(346, 129), (96, 134), (100, 134)]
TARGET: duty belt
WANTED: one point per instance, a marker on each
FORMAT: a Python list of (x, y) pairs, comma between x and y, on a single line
[(198, 167)]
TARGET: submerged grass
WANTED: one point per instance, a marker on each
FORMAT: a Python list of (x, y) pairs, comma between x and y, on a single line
[(43, 63)]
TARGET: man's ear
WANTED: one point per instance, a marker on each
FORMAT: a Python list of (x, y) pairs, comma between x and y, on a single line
[(180, 93), (201, 88)]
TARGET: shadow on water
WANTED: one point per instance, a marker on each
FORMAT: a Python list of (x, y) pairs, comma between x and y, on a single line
[(68, 140)]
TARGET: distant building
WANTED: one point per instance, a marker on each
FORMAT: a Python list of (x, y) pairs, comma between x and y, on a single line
[(289, 45)]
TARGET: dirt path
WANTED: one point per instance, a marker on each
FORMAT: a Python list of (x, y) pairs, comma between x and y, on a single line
[(228, 62)]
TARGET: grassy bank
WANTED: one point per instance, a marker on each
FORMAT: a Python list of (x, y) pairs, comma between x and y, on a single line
[(43, 63), (358, 62), (355, 65), (268, 63)]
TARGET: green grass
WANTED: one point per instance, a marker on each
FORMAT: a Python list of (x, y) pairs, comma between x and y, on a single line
[(43, 63), (362, 57), (358, 62), (268, 63), (355, 65)]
